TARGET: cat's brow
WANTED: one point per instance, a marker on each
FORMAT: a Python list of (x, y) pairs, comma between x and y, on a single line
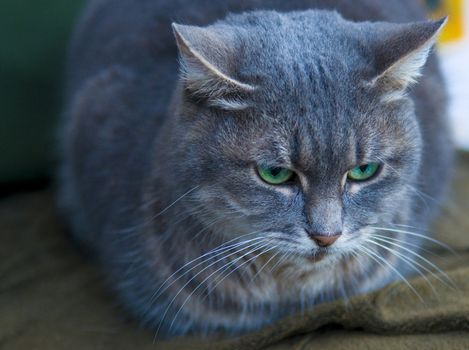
[(229, 104)]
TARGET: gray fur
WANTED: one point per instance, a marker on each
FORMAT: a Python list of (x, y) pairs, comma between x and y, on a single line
[(157, 170)]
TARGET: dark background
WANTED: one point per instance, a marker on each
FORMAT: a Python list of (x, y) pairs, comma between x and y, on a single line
[(33, 36)]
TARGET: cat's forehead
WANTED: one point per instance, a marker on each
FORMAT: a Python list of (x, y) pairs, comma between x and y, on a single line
[(308, 143), (302, 59), (316, 81), (326, 139), (305, 66)]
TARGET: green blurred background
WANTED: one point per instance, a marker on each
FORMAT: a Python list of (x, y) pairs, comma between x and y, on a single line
[(34, 37)]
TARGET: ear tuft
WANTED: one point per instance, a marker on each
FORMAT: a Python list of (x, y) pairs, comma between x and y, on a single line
[(402, 51), (208, 62)]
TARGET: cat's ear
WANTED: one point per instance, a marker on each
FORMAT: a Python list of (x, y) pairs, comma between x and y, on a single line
[(401, 50), (208, 61)]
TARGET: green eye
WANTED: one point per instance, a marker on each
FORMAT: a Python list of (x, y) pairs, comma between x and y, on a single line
[(363, 172), (274, 175)]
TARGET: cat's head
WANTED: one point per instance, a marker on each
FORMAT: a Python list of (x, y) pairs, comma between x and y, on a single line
[(298, 127)]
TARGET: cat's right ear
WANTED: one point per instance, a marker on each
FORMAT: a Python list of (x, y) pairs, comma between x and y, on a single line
[(400, 51), (208, 61)]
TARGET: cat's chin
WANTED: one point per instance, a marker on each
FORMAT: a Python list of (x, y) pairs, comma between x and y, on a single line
[(323, 258), (318, 256), (313, 260)]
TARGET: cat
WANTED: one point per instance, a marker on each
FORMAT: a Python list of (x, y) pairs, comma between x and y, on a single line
[(254, 158)]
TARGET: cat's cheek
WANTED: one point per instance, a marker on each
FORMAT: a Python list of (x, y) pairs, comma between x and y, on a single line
[(289, 192), (352, 189)]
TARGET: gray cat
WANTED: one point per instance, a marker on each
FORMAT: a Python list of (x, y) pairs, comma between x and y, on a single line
[(285, 160)]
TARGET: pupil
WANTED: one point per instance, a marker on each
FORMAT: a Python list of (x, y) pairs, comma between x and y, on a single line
[(275, 171), (363, 168)]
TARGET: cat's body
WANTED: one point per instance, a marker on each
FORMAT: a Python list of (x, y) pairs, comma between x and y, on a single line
[(143, 184)]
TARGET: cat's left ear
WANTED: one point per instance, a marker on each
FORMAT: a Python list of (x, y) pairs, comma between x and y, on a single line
[(208, 64), (400, 52)]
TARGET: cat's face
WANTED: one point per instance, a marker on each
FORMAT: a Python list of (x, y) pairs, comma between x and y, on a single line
[(313, 150), (318, 198)]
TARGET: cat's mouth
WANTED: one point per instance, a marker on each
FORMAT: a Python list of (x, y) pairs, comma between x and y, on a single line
[(329, 254), (319, 255)]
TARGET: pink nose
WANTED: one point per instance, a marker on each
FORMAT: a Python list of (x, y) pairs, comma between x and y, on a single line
[(325, 241)]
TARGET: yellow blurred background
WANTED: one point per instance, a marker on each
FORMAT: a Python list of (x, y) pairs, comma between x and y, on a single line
[(454, 53), (454, 9)]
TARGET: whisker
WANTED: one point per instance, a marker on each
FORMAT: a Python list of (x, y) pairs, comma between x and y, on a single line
[(256, 244), (207, 226), (263, 266), (282, 259), (422, 195), (372, 254), (151, 219), (357, 257), (409, 262), (444, 274), (425, 195), (404, 242), (419, 193), (174, 203), (410, 226), (211, 289), (418, 235), (219, 251), (209, 276)]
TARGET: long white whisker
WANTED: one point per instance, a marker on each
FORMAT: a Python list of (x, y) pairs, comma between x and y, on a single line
[(419, 193), (409, 262), (151, 219), (174, 203), (283, 258), (262, 245), (210, 289), (257, 243), (208, 277), (207, 226), (263, 266), (425, 260), (213, 254), (360, 250), (404, 242), (409, 226), (417, 235), (357, 257), (370, 253)]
